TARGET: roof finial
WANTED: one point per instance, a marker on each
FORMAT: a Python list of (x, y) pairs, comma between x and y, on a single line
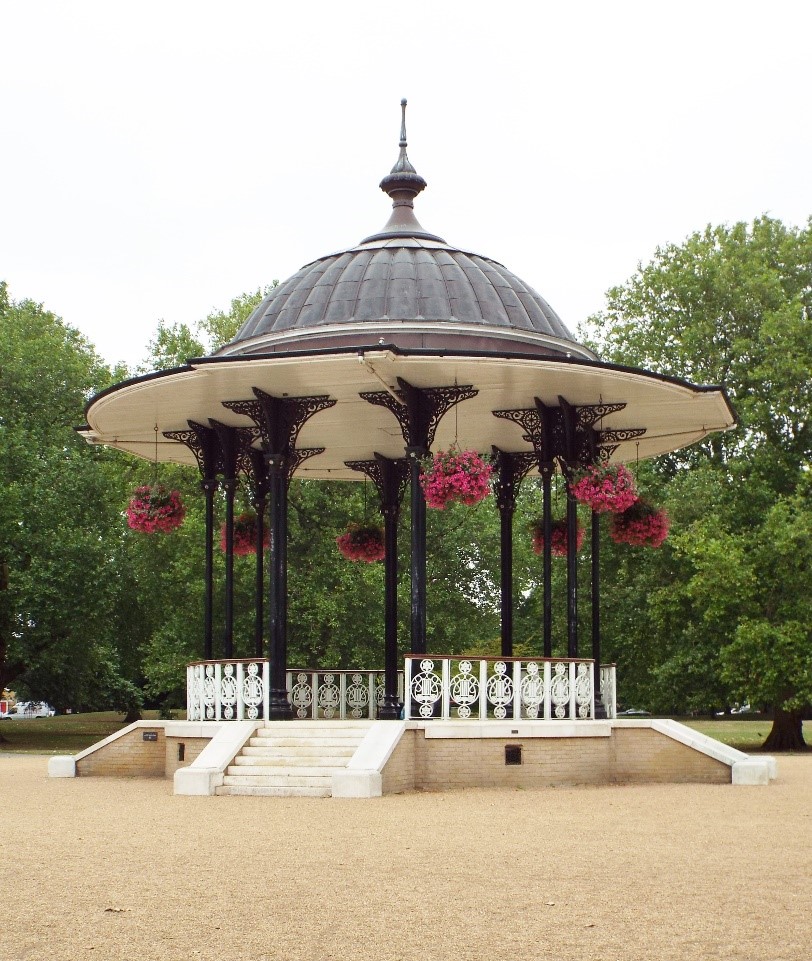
[(403, 165), (403, 183)]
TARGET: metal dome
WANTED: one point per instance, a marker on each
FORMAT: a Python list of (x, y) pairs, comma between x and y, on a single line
[(406, 287)]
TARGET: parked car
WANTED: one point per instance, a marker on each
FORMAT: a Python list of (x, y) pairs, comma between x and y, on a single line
[(634, 712), (28, 710)]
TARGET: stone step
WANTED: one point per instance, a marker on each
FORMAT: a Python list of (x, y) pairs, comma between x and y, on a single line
[(280, 780), (270, 770), (301, 750), (304, 731), (321, 742), (248, 790), (309, 723), (269, 759)]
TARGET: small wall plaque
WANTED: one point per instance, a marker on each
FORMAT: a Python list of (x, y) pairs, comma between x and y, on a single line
[(150, 735)]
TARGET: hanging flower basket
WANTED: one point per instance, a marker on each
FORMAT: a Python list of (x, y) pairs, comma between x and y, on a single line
[(641, 525), (245, 534), (558, 541), (362, 542), (605, 488), (454, 475), (155, 509)]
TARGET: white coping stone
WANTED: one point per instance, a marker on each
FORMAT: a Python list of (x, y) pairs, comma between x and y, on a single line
[(752, 771), (509, 729), (357, 783), (205, 773), (62, 766), (772, 765), (362, 776)]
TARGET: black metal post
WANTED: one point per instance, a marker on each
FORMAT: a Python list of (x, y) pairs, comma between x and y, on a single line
[(391, 707), (547, 520), (280, 708), (572, 573), (600, 708), (418, 558), (259, 611), (229, 485), (209, 486), (506, 511)]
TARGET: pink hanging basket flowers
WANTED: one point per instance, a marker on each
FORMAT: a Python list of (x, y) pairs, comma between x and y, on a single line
[(245, 534), (606, 488), (155, 509), (455, 476), (558, 541), (641, 525), (362, 542)]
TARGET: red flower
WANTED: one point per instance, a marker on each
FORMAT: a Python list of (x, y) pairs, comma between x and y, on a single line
[(461, 476), (558, 540), (605, 487), (641, 525), (245, 534), (362, 542), (155, 509)]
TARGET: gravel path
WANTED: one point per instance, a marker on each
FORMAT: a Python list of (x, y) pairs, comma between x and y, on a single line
[(110, 869)]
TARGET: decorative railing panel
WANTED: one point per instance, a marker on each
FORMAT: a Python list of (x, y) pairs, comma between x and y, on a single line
[(498, 688), (441, 687), (238, 690)]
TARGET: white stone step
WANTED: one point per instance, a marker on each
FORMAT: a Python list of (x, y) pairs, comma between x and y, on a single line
[(334, 731), (280, 780), (322, 742), (300, 750), (270, 770), (308, 760), (256, 791)]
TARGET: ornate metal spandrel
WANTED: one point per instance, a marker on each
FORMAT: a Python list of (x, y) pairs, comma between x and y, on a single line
[(390, 477), (202, 442), (511, 469), (235, 442), (605, 452), (419, 410), (546, 446), (297, 457), (588, 414), (295, 412), (252, 466), (620, 435)]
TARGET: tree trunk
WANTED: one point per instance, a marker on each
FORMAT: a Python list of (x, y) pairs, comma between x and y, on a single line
[(787, 732)]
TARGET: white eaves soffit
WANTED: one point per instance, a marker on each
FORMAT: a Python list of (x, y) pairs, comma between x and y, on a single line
[(674, 413)]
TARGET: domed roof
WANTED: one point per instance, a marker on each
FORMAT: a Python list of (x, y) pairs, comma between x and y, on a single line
[(407, 287)]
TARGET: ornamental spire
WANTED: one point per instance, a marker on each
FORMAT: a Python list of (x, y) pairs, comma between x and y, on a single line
[(403, 183)]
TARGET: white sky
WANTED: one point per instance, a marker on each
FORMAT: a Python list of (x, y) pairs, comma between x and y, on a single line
[(159, 158)]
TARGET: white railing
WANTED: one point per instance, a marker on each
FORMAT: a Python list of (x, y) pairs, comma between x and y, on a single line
[(238, 690), (492, 688), (609, 689), (441, 687)]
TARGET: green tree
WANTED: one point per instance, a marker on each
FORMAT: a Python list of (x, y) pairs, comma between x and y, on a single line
[(731, 306)]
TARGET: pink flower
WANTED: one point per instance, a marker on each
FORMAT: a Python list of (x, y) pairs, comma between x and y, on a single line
[(558, 540), (641, 525), (362, 542), (461, 476), (245, 534), (605, 488), (155, 509)]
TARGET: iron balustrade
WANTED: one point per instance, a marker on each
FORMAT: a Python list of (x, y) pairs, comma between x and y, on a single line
[(497, 688), (239, 690), (442, 687)]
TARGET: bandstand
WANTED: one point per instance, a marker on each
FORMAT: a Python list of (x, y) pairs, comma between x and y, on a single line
[(346, 371)]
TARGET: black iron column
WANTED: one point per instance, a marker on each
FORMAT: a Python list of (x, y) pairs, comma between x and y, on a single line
[(279, 420), (390, 477), (510, 470), (547, 471), (209, 486), (254, 467), (203, 443), (600, 709), (419, 410)]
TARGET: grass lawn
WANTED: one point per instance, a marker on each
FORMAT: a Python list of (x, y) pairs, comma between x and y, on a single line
[(65, 734), (70, 733)]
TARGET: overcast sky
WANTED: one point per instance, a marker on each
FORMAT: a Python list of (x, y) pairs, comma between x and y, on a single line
[(160, 158)]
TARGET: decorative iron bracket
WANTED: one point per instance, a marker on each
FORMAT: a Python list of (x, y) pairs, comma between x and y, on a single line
[(203, 442), (390, 478), (511, 469), (419, 410)]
